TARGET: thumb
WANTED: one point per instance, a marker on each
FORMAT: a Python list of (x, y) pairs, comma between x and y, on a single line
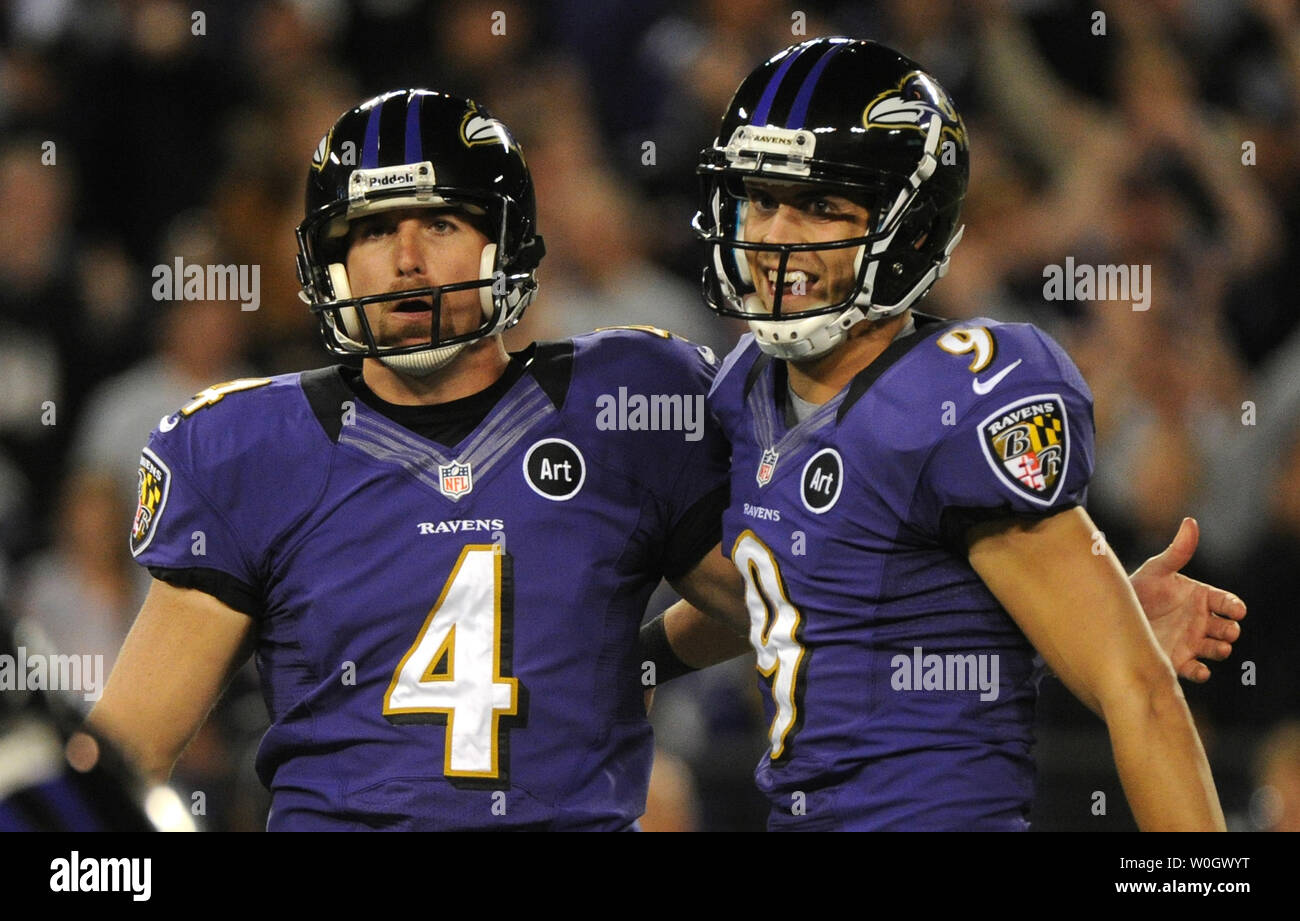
[(1180, 550)]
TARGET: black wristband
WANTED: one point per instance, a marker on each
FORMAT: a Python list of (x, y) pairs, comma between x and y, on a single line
[(652, 648)]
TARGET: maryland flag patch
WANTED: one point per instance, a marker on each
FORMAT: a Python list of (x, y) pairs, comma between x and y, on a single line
[(155, 481), (1027, 443)]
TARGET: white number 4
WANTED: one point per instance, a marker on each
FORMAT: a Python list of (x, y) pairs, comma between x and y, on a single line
[(452, 671)]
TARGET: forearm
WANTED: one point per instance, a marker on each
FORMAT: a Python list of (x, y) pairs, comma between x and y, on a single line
[(152, 760), (179, 655), (700, 640), (133, 712), (711, 624), (1160, 760), (682, 640)]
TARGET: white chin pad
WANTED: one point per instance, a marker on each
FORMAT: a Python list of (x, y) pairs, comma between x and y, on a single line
[(422, 364), (486, 263)]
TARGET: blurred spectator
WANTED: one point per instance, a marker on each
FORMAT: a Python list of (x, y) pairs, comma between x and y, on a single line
[(83, 593), (199, 343), (598, 269), (1270, 580), (38, 310)]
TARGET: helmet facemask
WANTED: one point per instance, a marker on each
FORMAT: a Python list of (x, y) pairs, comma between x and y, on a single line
[(850, 118), (400, 138), (344, 324), (897, 218)]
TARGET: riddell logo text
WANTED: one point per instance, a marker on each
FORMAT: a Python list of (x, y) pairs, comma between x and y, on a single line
[(407, 178)]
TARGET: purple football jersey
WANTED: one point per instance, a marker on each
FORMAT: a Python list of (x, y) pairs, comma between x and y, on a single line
[(900, 694), (445, 634)]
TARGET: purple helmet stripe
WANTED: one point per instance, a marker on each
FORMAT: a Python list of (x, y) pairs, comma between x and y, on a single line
[(799, 111), (414, 146), (769, 92), (370, 152)]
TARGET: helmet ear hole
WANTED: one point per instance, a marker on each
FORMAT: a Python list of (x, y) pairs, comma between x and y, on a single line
[(486, 263), (920, 223)]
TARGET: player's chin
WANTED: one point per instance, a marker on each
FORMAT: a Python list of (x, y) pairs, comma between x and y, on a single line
[(412, 331)]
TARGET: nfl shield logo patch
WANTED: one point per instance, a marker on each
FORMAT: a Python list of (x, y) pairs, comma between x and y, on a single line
[(455, 479), (766, 466), (1027, 443)]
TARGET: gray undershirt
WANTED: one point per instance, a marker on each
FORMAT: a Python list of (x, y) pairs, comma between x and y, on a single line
[(802, 409)]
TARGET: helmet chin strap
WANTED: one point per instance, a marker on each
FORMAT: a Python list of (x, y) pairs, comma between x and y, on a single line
[(798, 340), (810, 337), (424, 362)]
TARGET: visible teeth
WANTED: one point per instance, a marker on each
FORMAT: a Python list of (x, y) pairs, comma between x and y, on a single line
[(791, 277)]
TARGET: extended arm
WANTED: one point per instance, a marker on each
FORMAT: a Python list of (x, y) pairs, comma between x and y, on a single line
[(1081, 614), (1191, 620), (177, 659)]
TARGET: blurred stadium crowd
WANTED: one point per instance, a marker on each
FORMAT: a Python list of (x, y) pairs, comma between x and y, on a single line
[(1169, 141)]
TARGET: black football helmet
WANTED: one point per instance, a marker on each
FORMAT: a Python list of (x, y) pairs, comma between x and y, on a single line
[(417, 148), (861, 121)]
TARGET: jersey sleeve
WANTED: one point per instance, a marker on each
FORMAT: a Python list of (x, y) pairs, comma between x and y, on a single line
[(1024, 451), (699, 493), (221, 481), (183, 537)]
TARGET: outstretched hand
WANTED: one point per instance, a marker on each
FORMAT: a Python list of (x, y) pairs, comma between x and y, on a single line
[(1191, 620)]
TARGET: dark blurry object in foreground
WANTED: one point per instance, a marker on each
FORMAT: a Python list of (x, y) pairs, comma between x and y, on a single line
[(55, 777)]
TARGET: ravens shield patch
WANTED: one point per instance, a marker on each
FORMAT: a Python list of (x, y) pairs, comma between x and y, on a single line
[(1027, 443), (155, 479)]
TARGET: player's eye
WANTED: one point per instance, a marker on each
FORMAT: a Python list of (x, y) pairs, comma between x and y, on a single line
[(373, 228), (442, 224), (761, 201), (824, 207)]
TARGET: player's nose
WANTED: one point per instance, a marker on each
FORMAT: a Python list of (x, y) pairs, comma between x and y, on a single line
[(784, 226), (408, 253)]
